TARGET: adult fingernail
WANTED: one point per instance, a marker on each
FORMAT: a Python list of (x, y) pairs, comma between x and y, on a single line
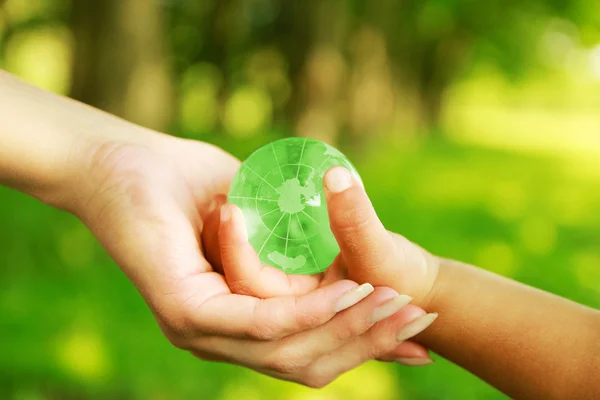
[(353, 296), (415, 327), (337, 179), (212, 206), (225, 213), (390, 307), (414, 362), (216, 202), (239, 225)]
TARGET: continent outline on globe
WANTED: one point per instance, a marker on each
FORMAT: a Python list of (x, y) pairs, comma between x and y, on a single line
[(279, 189)]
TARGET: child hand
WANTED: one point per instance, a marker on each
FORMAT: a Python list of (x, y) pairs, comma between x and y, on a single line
[(369, 252)]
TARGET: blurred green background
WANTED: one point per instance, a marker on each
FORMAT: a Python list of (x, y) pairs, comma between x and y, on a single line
[(475, 126)]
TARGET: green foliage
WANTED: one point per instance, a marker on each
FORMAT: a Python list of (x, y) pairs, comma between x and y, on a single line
[(73, 326), (372, 76)]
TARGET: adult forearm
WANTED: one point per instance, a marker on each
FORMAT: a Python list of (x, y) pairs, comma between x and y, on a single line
[(34, 137), (46, 139), (528, 343)]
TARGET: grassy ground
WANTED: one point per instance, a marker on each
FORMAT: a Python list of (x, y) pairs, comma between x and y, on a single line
[(72, 326)]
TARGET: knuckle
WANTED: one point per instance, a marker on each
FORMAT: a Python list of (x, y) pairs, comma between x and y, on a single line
[(285, 366), (178, 329), (315, 380), (181, 322), (355, 219), (380, 345), (293, 355), (307, 319), (353, 225), (272, 319), (206, 356), (344, 332), (263, 332), (316, 383), (178, 342)]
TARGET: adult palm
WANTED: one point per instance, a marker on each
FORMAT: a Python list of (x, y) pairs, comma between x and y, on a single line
[(149, 198)]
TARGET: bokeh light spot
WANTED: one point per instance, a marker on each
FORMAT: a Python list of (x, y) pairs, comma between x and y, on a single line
[(76, 246), (373, 380), (42, 56), (537, 235), (199, 103), (595, 62), (587, 269), (22, 10), (508, 200), (82, 354), (247, 111), (497, 257)]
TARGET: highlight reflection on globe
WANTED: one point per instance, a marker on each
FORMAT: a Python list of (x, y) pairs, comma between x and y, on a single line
[(279, 189)]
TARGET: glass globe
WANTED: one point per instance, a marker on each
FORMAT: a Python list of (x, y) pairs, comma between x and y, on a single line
[(279, 189)]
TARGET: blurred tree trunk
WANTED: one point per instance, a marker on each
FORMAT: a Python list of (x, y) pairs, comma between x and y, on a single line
[(431, 107), (315, 40), (293, 39), (427, 63), (439, 64), (216, 47), (430, 87), (120, 62)]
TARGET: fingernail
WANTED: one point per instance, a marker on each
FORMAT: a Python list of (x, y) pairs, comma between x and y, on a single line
[(225, 213), (390, 307), (414, 362), (337, 179), (415, 327), (353, 296), (239, 225), (211, 206)]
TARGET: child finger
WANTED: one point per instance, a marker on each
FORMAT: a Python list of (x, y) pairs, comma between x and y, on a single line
[(365, 243)]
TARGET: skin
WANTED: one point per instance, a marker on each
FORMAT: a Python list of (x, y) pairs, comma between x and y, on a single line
[(527, 343), (150, 200)]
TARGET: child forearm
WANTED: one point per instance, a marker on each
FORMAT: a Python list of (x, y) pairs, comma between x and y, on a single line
[(528, 343)]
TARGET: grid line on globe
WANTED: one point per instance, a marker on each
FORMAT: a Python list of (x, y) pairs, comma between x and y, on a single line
[(279, 189)]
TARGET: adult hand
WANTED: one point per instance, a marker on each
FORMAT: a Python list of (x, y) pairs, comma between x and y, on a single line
[(146, 197), (148, 201), (347, 340)]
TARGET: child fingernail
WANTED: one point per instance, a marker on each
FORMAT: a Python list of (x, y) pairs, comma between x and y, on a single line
[(415, 327), (414, 362), (353, 296), (390, 308), (337, 179)]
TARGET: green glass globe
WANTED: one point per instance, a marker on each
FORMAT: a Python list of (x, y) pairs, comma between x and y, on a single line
[(279, 189)]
